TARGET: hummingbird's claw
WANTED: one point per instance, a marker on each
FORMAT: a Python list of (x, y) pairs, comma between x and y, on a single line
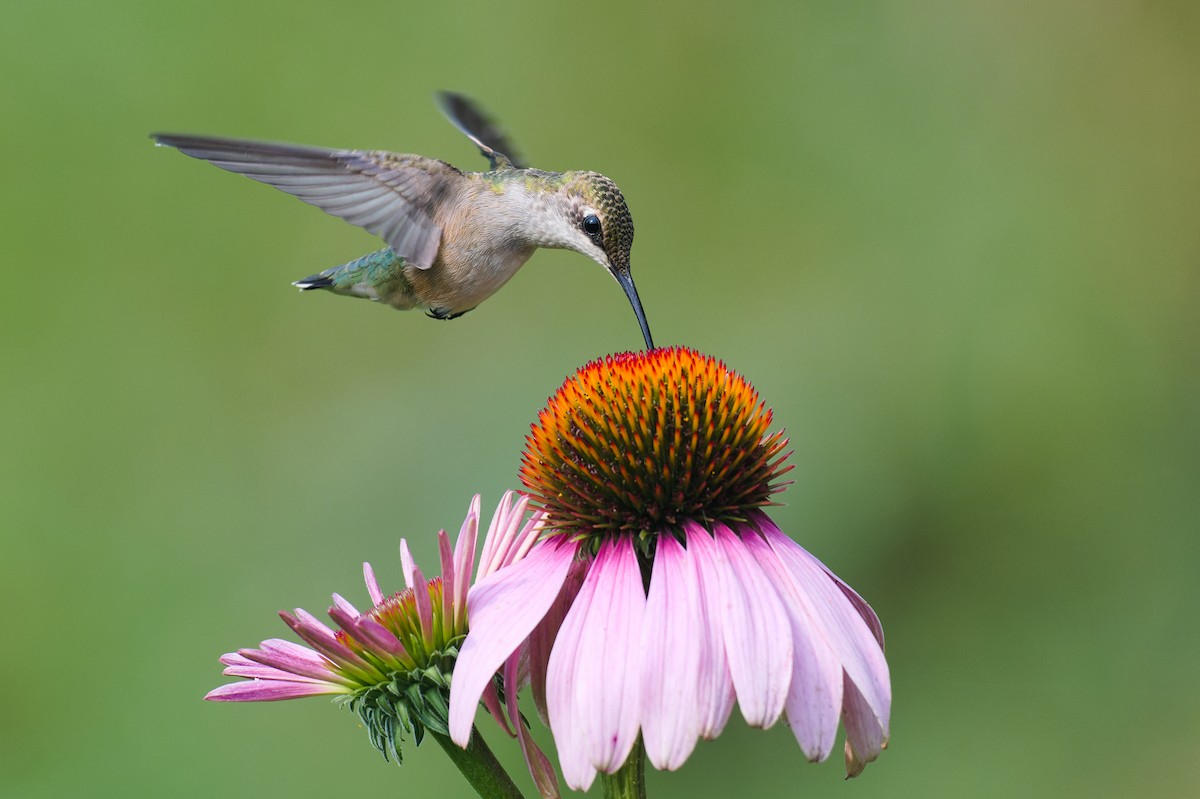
[(444, 313)]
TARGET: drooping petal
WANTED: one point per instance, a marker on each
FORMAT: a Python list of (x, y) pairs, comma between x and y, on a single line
[(864, 735), (539, 765), (758, 635), (860, 604), (814, 702), (671, 650), (541, 640), (491, 701), (838, 621), (593, 679), (502, 610), (714, 686)]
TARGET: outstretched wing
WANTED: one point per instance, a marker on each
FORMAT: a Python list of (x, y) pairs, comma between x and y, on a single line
[(480, 128), (390, 195)]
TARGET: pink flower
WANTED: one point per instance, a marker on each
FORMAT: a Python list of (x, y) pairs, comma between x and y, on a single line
[(661, 592), (392, 664)]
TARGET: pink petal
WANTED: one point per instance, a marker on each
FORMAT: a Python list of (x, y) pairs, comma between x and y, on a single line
[(814, 702), (372, 585), (489, 559), (860, 604), (714, 696), (407, 564), (758, 635), (507, 539), (270, 691), (671, 650), (831, 615), (464, 563), (593, 681), (539, 765), (541, 640), (502, 610), (864, 736)]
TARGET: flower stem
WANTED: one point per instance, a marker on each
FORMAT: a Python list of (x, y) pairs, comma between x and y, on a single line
[(479, 766), (629, 781)]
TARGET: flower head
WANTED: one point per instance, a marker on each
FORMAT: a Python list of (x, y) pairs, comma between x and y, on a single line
[(660, 591), (392, 663)]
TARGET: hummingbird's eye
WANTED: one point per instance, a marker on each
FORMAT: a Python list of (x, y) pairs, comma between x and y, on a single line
[(591, 225)]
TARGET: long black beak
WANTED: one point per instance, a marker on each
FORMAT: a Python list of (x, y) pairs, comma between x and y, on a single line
[(626, 280)]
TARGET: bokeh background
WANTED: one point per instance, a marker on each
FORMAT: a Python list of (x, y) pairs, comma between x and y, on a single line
[(956, 248)]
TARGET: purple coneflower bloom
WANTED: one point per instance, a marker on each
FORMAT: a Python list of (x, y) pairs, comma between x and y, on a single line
[(392, 664), (660, 592)]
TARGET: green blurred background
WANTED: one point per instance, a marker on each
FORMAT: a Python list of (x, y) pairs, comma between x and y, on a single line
[(955, 248)]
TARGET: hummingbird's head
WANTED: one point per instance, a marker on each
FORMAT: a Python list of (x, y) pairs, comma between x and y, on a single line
[(603, 231)]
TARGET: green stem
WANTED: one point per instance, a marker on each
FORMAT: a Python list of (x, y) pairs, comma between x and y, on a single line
[(479, 766), (629, 781)]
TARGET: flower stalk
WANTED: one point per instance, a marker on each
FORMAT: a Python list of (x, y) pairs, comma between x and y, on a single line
[(480, 766)]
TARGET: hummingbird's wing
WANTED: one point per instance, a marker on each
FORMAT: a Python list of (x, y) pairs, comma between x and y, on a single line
[(466, 115), (388, 194)]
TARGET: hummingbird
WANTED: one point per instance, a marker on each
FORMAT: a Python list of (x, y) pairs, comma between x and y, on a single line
[(454, 237)]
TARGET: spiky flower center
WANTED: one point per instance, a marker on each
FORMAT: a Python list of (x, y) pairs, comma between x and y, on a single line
[(641, 442), (409, 692)]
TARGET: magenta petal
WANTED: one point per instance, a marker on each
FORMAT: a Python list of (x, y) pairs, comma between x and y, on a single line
[(538, 764), (814, 702), (270, 691), (864, 736), (491, 701), (758, 635), (671, 650), (256, 671), (838, 621), (322, 639), (714, 695), (449, 577), (502, 610), (593, 679), (344, 605), (286, 662), (423, 604)]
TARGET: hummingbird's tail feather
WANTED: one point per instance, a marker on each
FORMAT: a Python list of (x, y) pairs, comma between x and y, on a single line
[(317, 281), (377, 276)]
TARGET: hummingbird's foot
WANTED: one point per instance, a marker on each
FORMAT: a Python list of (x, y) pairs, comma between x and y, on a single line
[(444, 313)]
